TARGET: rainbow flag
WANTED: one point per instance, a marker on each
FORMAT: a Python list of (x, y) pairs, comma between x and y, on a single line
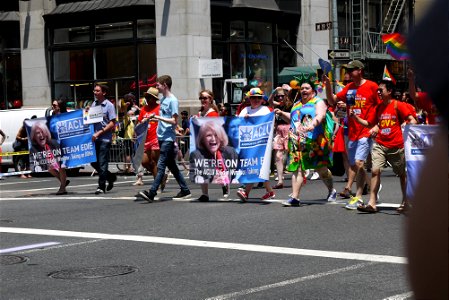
[(396, 45), (387, 75), (340, 84)]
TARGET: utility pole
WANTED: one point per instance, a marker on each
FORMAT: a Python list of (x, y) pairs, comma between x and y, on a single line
[(335, 37)]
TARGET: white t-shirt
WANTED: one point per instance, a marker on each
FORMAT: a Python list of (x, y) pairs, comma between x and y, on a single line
[(260, 111)]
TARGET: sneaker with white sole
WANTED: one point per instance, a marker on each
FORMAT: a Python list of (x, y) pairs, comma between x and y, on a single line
[(353, 203), (242, 195), (291, 202), (99, 191), (268, 195), (332, 196), (147, 196), (182, 195)]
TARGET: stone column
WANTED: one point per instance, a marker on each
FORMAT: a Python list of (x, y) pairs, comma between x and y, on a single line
[(35, 80), (183, 37), (311, 42)]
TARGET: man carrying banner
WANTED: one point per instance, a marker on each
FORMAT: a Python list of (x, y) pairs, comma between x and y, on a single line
[(389, 146), (166, 135), (103, 138)]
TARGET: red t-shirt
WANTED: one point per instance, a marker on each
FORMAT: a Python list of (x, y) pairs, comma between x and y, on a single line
[(424, 102), (212, 114), (386, 117), (366, 100), (145, 112)]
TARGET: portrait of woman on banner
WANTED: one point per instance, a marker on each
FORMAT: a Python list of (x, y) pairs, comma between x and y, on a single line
[(45, 152), (213, 161)]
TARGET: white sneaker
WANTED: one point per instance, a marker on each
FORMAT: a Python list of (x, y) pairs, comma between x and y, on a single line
[(315, 176), (332, 197)]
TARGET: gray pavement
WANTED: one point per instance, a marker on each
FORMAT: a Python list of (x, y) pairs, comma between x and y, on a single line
[(189, 250)]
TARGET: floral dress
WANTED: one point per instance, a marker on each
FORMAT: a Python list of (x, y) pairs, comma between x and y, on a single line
[(310, 150)]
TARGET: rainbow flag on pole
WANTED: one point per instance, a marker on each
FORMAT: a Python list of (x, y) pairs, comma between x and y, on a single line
[(387, 75), (396, 45)]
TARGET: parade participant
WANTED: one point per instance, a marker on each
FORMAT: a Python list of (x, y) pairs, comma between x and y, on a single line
[(166, 135), (103, 138), (422, 101), (151, 147), (208, 107), (256, 108), (389, 145), (360, 95), (21, 144), (214, 157), (279, 99), (309, 148)]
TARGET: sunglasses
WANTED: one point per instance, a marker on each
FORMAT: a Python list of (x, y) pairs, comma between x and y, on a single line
[(203, 98)]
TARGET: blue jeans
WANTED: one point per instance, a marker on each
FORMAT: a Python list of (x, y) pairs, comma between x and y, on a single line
[(167, 158), (101, 165)]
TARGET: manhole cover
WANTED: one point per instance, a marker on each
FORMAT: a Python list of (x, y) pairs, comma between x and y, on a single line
[(6, 260), (93, 272)]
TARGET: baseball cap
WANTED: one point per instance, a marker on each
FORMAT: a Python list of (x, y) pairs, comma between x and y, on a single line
[(355, 64)]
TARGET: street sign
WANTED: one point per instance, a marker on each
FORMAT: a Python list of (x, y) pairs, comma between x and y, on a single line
[(323, 26), (338, 54)]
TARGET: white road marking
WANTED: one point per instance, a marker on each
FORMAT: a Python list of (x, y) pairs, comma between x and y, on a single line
[(57, 187), (26, 247), (20, 182), (400, 296), (61, 246), (208, 244), (288, 282)]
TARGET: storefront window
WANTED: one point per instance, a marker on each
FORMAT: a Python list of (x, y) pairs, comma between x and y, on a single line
[(113, 62), (73, 65), (237, 30), (147, 67), (238, 57), (260, 66), (114, 31), (146, 29), (72, 35), (260, 32), (217, 31), (10, 80)]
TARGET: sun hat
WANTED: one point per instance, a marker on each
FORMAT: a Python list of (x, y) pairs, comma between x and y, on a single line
[(153, 92)]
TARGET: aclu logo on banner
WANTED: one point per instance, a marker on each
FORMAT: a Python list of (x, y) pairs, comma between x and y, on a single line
[(419, 144), (71, 128), (253, 136)]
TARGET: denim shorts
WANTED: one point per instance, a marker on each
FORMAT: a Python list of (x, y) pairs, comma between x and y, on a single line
[(359, 149)]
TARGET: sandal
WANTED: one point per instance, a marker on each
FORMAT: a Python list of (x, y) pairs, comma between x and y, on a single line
[(367, 208), (403, 208), (61, 192), (278, 186), (345, 194)]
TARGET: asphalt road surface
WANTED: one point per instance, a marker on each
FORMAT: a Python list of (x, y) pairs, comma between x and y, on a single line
[(83, 246)]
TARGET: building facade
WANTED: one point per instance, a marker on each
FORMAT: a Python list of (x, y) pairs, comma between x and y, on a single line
[(60, 48)]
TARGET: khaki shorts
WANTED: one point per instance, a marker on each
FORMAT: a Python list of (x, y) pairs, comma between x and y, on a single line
[(395, 156)]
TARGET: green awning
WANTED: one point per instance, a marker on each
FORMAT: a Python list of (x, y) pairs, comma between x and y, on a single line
[(288, 73)]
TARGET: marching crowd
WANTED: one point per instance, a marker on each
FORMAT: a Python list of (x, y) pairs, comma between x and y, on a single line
[(369, 118)]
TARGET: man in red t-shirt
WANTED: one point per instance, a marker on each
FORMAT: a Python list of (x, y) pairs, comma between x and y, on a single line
[(389, 146), (360, 96), (423, 101)]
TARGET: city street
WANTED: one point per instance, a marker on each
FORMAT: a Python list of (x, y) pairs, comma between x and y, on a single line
[(83, 246)]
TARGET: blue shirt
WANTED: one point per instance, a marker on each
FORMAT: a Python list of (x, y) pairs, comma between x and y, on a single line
[(108, 114), (168, 108)]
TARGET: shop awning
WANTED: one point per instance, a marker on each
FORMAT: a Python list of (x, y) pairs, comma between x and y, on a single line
[(9, 16), (75, 7), (260, 4)]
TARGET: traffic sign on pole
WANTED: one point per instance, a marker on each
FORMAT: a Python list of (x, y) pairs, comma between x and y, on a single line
[(338, 54)]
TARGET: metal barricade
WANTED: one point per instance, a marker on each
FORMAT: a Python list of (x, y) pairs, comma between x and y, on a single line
[(121, 153)]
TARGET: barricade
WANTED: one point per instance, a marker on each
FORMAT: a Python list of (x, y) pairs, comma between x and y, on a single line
[(121, 152)]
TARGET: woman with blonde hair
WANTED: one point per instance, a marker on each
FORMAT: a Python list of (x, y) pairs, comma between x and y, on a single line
[(208, 106)]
